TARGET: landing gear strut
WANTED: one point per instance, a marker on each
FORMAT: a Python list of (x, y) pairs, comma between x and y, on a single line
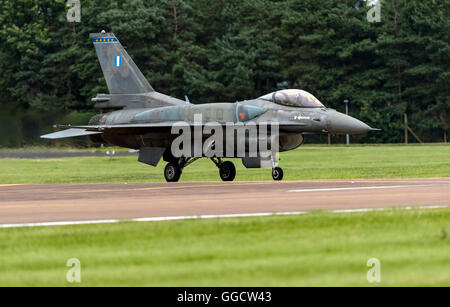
[(172, 172), (174, 169), (277, 174), (227, 170)]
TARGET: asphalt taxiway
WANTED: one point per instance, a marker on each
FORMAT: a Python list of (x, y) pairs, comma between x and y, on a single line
[(21, 204)]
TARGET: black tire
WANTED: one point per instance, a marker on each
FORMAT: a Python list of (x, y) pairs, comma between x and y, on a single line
[(172, 172), (227, 171), (277, 174)]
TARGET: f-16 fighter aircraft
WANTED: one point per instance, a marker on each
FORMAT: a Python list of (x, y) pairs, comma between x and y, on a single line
[(136, 116)]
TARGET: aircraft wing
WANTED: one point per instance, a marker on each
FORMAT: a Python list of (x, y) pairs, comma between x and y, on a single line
[(124, 126), (102, 128), (69, 133), (120, 129), (78, 131)]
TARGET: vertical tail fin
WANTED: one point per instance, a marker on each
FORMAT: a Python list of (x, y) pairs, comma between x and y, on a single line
[(121, 73)]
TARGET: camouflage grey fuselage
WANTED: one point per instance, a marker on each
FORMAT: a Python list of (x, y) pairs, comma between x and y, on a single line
[(293, 121)]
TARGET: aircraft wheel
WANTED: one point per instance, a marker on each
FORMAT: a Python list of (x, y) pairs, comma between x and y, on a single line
[(172, 172), (227, 171), (277, 174)]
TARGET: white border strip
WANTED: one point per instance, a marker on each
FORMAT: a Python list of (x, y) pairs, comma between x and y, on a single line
[(365, 188), (204, 217)]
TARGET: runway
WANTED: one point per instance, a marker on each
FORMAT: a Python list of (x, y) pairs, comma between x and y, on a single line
[(21, 204)]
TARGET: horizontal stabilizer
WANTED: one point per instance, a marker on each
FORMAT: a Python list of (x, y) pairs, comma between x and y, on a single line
[(70, 133)]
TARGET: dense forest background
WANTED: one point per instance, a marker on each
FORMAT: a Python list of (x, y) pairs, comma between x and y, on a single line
[(227, 50)]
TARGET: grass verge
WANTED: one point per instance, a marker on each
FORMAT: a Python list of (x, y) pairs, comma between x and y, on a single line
[(315, 249), (309, 162)]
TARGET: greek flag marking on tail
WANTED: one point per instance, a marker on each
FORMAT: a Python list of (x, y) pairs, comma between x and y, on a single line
[(118, 61), (113, 60)]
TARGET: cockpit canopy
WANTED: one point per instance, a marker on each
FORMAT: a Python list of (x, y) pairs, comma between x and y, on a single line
[(294, 98)]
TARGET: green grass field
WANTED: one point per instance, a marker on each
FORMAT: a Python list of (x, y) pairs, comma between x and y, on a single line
[(308, 162), (316, 249)]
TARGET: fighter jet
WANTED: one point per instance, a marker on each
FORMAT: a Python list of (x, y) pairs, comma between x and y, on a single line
[(134, 115)]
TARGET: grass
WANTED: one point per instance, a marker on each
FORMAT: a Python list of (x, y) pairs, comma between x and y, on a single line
[(308, 162), (315, 249)]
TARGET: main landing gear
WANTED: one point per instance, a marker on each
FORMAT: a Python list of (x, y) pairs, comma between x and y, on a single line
[(173, 172), (227, 170), (174, 169)]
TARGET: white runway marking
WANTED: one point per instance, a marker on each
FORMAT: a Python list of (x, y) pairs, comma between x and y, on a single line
[(365, 188), (223, 216)]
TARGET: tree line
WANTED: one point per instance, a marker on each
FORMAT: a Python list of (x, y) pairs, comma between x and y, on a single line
[(228, 50)]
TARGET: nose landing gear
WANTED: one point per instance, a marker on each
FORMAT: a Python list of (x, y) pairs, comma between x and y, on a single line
[(277, 174)]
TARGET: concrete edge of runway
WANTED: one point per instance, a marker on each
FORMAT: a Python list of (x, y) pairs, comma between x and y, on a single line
[(204, 217)]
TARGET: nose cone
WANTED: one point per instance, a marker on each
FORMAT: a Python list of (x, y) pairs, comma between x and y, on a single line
[(338, 123)]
